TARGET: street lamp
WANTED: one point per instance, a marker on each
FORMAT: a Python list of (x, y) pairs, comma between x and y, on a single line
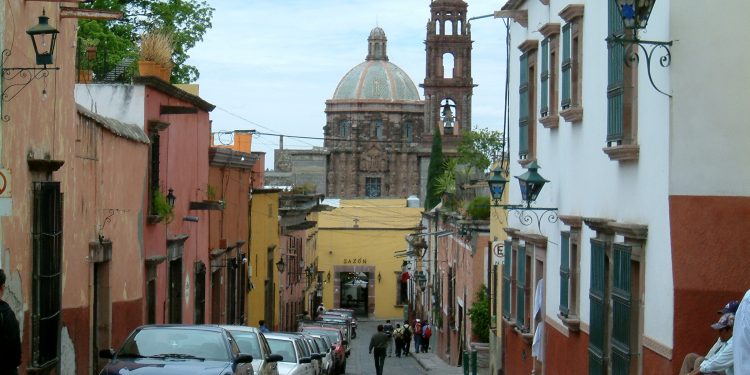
[(420, 247), (531, 184), (170, 197), (635, 15), (280, 265), (43, 48)]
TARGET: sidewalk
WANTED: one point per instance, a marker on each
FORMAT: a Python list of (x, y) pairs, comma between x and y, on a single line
[(431, 363)]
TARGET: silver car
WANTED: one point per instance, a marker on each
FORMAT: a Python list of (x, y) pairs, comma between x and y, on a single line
[(292, 351), (252, 341), (327, 352)]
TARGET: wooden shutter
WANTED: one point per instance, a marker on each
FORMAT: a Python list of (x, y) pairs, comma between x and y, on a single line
[(564, 273), (507, 274), (544, 105), (567, 65), (523, 107), (597, 310), (615, 79), (521, 288), (621, 310)]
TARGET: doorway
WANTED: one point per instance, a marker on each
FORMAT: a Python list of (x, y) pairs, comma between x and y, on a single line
[(355, 292)]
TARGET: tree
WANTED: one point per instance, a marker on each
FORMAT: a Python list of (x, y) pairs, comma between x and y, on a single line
[(480, 148), (480, 315), (186, 20), (435, 170)]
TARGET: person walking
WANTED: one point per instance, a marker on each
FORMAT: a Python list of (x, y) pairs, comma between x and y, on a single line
[(406, 337), (417, 335), (426, 334), (10, 336), (379, 343), (398, 339), (388, 329)]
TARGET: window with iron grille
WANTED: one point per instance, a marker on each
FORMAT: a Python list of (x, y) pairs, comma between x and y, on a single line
[(153, 183), (47, 236), (409, 132), (344, 127), (402, 293), (378, 129), (372, 187)]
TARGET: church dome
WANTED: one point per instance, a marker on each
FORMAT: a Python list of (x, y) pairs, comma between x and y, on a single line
[(376, 78)]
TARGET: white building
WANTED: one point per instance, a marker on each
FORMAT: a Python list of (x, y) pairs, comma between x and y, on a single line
[(651, 188)]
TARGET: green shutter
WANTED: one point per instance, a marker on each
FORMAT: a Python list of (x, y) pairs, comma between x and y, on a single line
[(521, 288), (615, 79), (621, 310), (507, 274), (523, 107), (597, 308), (567, 64), (544, 105), (564, 273)]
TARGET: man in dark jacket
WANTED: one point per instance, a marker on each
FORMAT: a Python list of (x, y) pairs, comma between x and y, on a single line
[(379, 342), (10, 337)]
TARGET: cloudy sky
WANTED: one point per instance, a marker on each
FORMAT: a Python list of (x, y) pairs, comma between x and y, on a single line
[(270, 65)]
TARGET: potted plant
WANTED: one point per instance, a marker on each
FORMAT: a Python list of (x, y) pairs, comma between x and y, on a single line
[(210, 193), (156, 54), (161, 208)]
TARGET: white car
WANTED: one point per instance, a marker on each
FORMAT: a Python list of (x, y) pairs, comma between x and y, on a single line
[(292, 350), (252, 341), (327, 352)]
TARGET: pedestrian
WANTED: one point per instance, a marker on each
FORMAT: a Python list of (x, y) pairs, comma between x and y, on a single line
[(417, 335), (742, 337), (10, 337), (262, 326), (719, 357), (321, 310), (388, 329), (379, 343), (407, 337), (426, 334), (398, 339)]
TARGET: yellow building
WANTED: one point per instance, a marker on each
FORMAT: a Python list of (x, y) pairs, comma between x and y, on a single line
[(356, 245), (262, 299)]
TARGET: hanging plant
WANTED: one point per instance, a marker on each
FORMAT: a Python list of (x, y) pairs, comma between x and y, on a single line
[(162, 209)]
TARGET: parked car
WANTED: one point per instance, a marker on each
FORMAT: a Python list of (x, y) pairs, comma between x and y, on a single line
[(337, 320), (252, 341), (349, 313), (327, 346), (315, 352), (291, 349), (340, 344), (178, 349)]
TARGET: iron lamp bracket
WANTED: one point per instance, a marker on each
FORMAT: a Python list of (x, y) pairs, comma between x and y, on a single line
[(648, 48), (18, 79)]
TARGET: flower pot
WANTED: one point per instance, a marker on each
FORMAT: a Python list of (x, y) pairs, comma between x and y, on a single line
[(149, 68), (165, 73)]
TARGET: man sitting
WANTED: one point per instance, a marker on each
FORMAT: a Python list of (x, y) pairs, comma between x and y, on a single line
[(719, 359)]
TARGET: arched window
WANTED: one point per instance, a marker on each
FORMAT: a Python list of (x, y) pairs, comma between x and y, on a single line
[(449, 27), (448, 65), (448, 115), (438, 27)]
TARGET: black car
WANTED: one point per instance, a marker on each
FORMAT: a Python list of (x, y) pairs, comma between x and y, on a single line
[(178, 349)]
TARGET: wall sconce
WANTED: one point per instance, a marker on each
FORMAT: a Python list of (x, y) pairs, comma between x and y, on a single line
[(328, 277), (43, 39), (531, 184), (420, 247), (635, 14), (380, 278), (170, 197), (280, 265)]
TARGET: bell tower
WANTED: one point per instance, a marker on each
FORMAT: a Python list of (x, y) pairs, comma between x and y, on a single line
[(448, 85)]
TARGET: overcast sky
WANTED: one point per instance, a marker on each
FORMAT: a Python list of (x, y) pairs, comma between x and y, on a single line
[(270, 65)]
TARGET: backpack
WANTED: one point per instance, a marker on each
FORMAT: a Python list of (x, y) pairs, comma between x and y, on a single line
[(418, 328), (398, 333), (407, 332), (427, 332)]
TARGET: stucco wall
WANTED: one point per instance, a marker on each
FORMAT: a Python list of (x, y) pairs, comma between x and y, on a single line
[(123, 102)]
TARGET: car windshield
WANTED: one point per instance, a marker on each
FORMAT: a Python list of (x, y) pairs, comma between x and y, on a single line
[(176, 343), (284, 348), (322, 344), (248, 343)]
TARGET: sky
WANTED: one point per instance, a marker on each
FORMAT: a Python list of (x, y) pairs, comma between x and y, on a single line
[(270, 65)]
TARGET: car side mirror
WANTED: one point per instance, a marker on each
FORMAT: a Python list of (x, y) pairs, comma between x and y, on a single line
[(274, 358), (316, 356), (305, 360), (244, 358), (107, 353)]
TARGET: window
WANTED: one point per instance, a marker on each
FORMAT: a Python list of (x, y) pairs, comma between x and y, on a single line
[(344, 127), (378, 129), (527, 102), (372, 187), (548, 114), (409, 132), (151, 292), (448, 65), (572, 54), (621, 124), (522, 278), (153, 182), (47, 234), (507, 279), (569, 272), (402, 290), (175, 291), (617, 277)]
